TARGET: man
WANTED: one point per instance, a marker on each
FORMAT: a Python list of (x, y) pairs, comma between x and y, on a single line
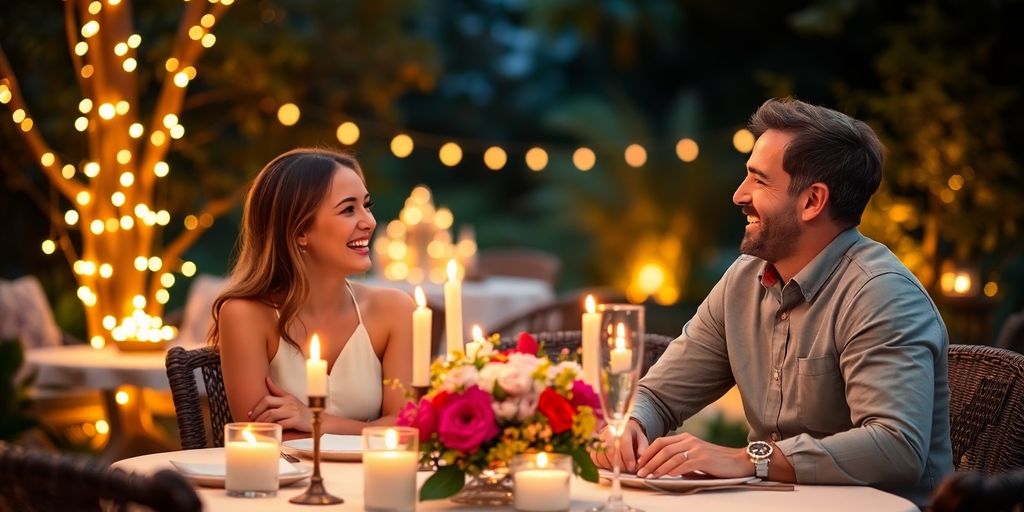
[(838, 351)]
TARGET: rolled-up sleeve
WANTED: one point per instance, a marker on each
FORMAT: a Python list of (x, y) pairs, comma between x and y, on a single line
[(889, 339), (693, 372)]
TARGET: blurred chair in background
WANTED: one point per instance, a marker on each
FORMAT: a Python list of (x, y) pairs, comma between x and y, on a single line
[(519, 262), (1011, 334), (34, 480), (554, 342)]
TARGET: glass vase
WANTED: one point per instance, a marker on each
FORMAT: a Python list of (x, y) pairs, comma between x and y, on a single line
[(492, 487)]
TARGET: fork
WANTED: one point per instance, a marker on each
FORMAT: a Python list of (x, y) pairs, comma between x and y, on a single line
[(289, 458)]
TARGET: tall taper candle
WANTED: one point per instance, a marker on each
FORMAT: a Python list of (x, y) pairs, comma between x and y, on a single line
[(591, 343), (316, 370), (422, 317), (453, 308)]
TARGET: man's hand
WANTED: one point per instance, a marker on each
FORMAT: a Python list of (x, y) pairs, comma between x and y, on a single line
[(683, 453), (282, 408), (633, 444)]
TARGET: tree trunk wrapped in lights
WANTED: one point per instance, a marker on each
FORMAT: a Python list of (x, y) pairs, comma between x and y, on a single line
[(122, 271)]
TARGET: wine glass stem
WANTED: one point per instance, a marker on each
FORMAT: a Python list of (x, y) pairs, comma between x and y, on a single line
[(615, 498)]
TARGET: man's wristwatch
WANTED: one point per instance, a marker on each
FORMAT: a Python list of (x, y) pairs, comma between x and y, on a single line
[(759, 453)]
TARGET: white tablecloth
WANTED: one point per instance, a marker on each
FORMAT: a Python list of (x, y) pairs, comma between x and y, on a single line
[(345, 480)]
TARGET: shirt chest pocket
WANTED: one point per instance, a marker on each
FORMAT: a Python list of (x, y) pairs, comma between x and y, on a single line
[(821, 396)]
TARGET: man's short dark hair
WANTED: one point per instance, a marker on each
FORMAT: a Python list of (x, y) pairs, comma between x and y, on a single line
[(828, 147)]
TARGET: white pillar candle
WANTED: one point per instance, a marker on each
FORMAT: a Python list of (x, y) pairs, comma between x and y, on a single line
[(591, 344), (621, 358), (453, 308), (316, 370), (541, 489), (251, 465), (422, 318), (389, 476)]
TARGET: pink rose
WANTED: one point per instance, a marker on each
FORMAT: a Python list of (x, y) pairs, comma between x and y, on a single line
[(583, 394), (467, 420), (526, 344), (423, 417)]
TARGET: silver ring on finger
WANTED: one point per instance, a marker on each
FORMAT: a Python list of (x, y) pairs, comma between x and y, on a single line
[(686, 454)]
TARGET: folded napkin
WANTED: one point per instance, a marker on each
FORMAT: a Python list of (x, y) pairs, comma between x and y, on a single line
[(284, 468)]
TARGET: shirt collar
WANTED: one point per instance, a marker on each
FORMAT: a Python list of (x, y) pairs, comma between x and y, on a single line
[(813, 276)]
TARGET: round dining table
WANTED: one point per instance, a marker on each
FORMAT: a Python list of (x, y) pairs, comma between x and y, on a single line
[(345, 480)]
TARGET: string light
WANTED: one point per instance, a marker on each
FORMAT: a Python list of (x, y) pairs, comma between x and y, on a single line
[(348, 133), (188, 269), (49, 246), (401, 145), (134, 41), (687, 150), (94, 7), (536, 159), (85, 106), (117, 198), (83, 198), (124, 156), (191, 222), (208, 40), (106, 270), (126, 179), (68, 171), (743, 140), (584, 159), (495, 158), (90, 29), (158, 138), (171, 65), (160, 169), (207, 21), (181, 79), (120, 49), (636, 155), (71, 217), (135, 130), (129, 64), (91, 169), (450, 154), (288, 114), (107, 111), (81, 48)]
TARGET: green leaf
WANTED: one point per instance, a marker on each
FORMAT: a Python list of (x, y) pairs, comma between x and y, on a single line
[(447, 481), (585, 467)]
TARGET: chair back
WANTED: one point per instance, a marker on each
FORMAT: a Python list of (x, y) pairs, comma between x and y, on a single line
[(554, 342), (188, 407), (39, 481), (986, 408), (561, 315)]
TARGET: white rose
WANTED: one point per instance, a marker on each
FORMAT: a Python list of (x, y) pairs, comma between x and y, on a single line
[(460, 377)]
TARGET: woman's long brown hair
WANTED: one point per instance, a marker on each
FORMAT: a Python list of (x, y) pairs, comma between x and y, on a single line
[(280, 206)]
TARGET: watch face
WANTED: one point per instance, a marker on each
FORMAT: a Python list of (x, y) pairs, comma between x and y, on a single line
[(759, 449)]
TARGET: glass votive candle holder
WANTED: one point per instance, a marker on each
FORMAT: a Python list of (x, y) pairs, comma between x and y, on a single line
[(252, 451), (541, 481), (390, 460)]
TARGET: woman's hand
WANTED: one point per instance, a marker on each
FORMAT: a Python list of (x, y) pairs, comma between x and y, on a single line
[(282, 408)]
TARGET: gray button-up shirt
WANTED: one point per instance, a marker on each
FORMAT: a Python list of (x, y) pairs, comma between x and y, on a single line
[(844, 367)]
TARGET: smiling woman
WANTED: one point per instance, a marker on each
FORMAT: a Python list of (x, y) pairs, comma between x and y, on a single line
[(306, 227)]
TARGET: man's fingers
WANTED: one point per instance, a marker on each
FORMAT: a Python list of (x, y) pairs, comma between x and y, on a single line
[(675, 464), (660, 453)]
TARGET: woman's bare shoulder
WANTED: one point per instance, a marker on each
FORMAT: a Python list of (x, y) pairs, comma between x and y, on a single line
[(247, 312)]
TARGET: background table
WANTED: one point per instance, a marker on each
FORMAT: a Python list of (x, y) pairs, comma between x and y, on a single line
[(346, 481), (110, 370)]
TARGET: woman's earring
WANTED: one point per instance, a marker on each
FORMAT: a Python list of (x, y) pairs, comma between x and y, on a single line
[(302, 249)]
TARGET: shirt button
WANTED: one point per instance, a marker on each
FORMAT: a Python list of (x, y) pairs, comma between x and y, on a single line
[(784, 316), (775, 437), (775, 375)]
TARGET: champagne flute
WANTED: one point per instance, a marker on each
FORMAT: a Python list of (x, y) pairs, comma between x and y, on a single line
[(622, 354)]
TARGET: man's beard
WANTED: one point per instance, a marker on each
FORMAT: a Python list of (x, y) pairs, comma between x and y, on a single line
[(775, 238)]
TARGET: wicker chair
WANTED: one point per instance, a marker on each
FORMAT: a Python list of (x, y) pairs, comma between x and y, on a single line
[(986, 408), (562, 315), (39, 481), (181, 366), (555, 342)]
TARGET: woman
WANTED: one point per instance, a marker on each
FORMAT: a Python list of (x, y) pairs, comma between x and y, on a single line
[(306, 227)]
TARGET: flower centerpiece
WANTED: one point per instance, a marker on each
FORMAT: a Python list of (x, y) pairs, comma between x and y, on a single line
[(485, 407)]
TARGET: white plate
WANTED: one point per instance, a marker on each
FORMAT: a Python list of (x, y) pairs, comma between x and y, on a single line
[(332, 447), (212, 475), (673, 483)]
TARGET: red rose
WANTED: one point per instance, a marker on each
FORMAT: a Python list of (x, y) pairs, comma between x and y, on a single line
[(440, 400), (526, 344), (557, 409)]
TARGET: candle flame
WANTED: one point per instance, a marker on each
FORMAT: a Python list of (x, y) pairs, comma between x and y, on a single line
[(620, 336), (542, 460), (391, 439), (314, 348), (591, 306), (421, 300), (478, 333), (251, 439), (453, 270)]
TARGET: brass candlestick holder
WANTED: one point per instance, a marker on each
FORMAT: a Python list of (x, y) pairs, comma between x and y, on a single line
[(419, 392), (316, 494)]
